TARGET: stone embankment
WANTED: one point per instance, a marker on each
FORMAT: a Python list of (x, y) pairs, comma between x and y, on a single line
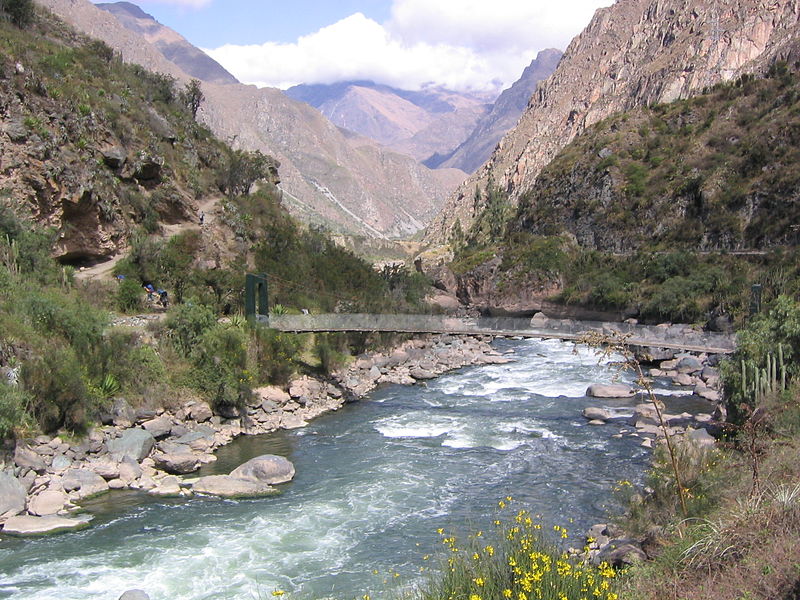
[(43, 483)]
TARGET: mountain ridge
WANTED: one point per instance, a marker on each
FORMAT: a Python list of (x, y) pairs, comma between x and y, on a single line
[(641, 52)]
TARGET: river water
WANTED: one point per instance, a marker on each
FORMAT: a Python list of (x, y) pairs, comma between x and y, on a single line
[(374, 482)]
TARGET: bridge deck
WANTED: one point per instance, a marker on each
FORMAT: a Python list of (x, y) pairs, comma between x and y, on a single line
[(679, 337)]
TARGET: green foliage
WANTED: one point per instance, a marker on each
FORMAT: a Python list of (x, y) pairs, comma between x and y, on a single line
[(241, 170), (220, 363), (19, 12), (59, 394), (273, 354), (192, 96), (14, 402), (186, 323), (129, 295)]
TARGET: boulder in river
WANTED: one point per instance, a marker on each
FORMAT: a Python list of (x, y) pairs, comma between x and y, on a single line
[(28, 525), (610, 390), (48, 502), (83, 481), (134, 595), (594, 413), (226, 486), (267, 468)]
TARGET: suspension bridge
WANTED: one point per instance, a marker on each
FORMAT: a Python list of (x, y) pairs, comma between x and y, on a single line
[(675, 337)]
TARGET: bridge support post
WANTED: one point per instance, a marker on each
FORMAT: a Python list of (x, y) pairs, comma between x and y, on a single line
[(256, 298)]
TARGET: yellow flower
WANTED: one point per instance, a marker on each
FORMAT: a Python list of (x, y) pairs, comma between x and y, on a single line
[(507, 593), (475, 597), (278, 593), (489, 550), (479, 581)]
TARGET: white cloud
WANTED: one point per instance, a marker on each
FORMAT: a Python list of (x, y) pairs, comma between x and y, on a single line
[(461, 44)]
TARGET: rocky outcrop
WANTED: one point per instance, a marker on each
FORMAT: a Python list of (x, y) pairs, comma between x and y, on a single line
[(636, 52), (27, 525)]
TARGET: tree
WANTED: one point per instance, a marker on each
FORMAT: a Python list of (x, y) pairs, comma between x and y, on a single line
[(242, 170), (192, 96), (20, 12)]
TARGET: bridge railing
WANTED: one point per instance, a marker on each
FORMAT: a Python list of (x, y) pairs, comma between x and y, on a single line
[(680, 336)]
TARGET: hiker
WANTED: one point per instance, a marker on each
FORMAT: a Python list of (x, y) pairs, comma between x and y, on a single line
[(163, 299), (151, 291), (202, 218)]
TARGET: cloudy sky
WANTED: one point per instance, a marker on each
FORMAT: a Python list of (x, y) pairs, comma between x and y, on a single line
[(480, 45)]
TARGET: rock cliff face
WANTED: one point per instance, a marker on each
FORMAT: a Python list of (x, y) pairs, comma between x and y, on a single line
[(330, 177), (505, 113), (636, 52)]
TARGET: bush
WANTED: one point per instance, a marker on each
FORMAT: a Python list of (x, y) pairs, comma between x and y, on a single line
[(13, 410), (187, 322), (129, 295), (273, 354), (19, 12), (220, 366), (60, 397)]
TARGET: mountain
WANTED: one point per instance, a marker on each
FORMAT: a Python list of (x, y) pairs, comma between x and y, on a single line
[(420, 124), (634, 53), (505, 112), (172, 45), (329, 177)]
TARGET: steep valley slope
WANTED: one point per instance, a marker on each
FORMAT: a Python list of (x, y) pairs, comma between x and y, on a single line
[(330, 177), (634, 53)]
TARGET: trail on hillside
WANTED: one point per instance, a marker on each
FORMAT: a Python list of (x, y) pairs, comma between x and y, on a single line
[(105, 268)]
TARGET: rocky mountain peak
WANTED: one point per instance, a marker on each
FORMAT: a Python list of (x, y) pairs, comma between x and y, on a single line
[(634, 53)]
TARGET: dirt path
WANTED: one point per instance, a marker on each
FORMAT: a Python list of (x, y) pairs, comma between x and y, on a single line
[(104, 269)]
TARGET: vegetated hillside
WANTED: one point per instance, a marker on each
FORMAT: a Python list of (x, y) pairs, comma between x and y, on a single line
[(173, 46), (103, 159), (95, 149), (417, 123), (505, 112), (633, 53), (329, 177), (667, 212), (716, 172)]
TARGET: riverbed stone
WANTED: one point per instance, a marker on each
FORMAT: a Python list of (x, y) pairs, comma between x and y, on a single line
[(83, 481), (28, 525), (27, 458), (226, 486), (60, 463), (12, 495), (594, 413), (610, 390), (267, 468), (159, 427), (134, 595), (291, 421), (134, 443), (178, 463), (49, 502), (620, 553), (200, 412), (168, 487)]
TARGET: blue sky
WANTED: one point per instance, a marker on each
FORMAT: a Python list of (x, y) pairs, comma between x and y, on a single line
[(465, 45), (212, 24)]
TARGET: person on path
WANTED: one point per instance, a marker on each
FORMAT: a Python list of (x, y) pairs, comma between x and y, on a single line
[(202, 218)]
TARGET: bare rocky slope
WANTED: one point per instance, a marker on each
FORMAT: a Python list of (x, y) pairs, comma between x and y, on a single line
[(418, 123), (329, 177), (634, 53), (506, 111)]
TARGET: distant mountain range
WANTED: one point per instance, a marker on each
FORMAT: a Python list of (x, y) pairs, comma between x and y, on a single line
[(331, 177), (423, 123)]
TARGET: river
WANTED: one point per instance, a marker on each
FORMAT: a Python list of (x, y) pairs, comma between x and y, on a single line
[(374, 482)]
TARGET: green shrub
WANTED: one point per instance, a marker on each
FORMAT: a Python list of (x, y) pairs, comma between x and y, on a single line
[(187, 322), (220, 365), (14, 402), (59, 395), (129, 295), (273, 354), (53, 313)]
